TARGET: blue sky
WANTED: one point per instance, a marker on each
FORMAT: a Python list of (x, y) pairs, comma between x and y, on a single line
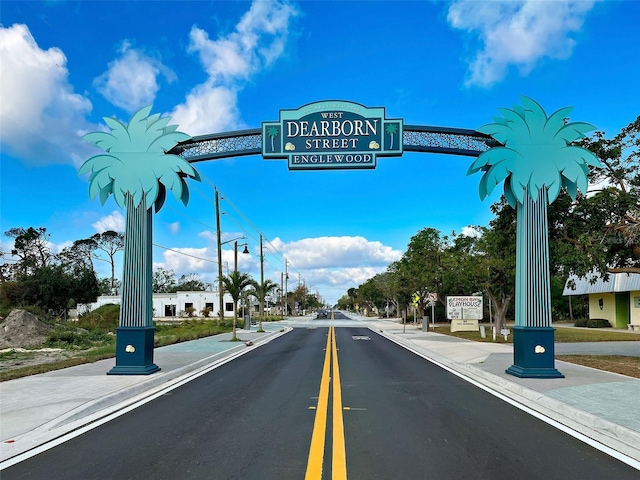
[(223, 66)]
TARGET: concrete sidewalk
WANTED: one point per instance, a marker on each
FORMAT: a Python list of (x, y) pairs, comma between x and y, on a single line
[(600, 406)]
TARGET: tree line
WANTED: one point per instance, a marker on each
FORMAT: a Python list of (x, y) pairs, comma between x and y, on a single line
[(592, 236), (56, 282)]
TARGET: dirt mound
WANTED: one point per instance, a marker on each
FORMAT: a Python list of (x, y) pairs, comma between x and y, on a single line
[(23, 329)]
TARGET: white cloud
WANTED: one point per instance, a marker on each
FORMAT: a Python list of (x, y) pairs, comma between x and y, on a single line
[(257, 41), (174, 227), (41, 116), (334, 264), (114, 221), (470, 231), (517, 32), (131, 80), (188, 260), (328, 252), (343, 278), (204, 260), (207, 109), (330, 264)]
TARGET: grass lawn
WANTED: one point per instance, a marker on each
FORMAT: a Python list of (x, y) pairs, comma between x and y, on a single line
[(629, 366), (28, 363), (562, 335), (624, 365)]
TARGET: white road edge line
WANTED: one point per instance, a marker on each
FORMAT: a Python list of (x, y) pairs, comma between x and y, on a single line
[(145, 398), (632, 462)]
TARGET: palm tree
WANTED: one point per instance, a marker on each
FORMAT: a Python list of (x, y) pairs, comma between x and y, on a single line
[(272, 132), (136, 170), (261, 292), (235, 283), (391, 129), (535, 162)]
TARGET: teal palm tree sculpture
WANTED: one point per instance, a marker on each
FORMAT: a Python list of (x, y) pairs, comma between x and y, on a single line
[(136, 170), (535, 162)]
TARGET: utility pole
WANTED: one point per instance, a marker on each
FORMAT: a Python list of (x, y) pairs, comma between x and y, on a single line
[(282, 293), (261, 282), (220, 285), (286, 287)]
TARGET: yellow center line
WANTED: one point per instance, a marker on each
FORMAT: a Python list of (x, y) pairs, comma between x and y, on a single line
[(316, 451), (339, 454)]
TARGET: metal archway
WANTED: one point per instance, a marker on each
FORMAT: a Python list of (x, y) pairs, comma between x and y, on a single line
[(415, 138)]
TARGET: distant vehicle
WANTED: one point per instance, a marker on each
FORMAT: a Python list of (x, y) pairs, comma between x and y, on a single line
[(322, 313)]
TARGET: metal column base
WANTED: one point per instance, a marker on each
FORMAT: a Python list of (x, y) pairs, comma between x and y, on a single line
[(533, 353), (134, 351)]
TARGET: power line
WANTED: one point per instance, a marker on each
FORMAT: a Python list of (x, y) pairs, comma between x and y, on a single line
[(185, 254), (191, 218), (267, 244)]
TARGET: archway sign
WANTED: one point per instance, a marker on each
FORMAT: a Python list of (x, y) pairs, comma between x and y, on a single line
[(334, 135), (530, 152)]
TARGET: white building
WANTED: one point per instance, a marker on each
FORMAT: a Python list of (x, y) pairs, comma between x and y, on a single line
[(176, 304)]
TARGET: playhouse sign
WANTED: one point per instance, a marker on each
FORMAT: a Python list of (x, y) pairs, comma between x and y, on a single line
[(332, 135)]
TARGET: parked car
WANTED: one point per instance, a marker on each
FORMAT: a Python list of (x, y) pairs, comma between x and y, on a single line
[(322, 313)]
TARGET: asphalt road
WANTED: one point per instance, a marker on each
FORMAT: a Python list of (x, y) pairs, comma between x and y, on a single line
[(253, 418)]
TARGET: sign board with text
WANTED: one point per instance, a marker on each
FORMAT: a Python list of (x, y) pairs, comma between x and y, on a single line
[(332, 135), (464, 308), (464, 313)]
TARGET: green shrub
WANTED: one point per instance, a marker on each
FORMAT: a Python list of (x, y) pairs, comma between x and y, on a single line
[(598, 323), (581, 322), (187, 330), (226, 323), (105, 319), (68, 336), (268, 318)]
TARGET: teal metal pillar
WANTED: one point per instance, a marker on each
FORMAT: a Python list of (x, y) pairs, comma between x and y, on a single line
[(533, 335), (135, 334)]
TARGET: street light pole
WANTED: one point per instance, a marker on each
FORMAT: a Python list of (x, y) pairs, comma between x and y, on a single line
[(235, 269), (235, 250)]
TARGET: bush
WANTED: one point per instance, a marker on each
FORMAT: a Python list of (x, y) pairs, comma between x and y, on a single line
[(598, 323), (104, 319), (225, 323), (581, 322), (67, 336), (11, 295), (188, 330), (268, 318)]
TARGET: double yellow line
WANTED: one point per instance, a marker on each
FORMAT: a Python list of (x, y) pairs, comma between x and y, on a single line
[(316, 451)]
